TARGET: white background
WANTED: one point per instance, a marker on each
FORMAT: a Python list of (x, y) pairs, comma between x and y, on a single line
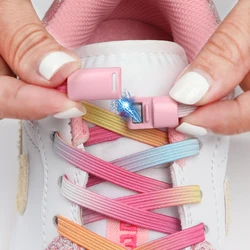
[(238, 170)]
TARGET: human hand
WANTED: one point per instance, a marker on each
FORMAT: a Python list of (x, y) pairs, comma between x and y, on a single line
[(223, 64), (28, 51)]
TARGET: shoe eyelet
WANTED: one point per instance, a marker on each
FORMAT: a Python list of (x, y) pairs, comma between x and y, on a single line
[(52, 135), (200, 143), (55, 221), (59, 182), (206, 229)]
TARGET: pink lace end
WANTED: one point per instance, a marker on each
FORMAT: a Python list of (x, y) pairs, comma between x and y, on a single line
[(80, 131), (62, 88)]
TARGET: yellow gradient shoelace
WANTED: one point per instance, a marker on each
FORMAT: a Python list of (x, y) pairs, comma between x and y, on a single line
[(113, 122)]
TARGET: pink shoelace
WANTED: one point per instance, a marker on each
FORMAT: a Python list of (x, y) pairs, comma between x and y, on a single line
[(137, 209)]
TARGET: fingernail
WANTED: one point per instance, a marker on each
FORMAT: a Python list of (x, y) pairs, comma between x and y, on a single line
[(190, 89), (187, 128), (71, 113), (52, 62)]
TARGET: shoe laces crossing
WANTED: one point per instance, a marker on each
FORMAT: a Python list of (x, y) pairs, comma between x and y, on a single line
[(137, 209)]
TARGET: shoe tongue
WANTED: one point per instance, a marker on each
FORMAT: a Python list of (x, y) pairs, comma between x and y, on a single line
[(149, 68)]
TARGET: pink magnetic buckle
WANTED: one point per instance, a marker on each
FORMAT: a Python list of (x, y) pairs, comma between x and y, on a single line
[(95, 84), (156, 112)]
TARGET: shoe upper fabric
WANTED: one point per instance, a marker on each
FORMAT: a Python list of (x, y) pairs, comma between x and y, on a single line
[(189, 24)]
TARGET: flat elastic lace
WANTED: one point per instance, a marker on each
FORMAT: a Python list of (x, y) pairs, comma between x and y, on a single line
[(137, 209)]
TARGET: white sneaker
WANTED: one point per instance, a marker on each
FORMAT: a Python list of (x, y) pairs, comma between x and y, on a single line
[(144, 204)]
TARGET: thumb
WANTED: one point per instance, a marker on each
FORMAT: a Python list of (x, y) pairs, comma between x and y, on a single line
[(29, 50), (221, 65)]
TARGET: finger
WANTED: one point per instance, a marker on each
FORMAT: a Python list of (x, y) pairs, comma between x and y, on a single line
[(221, 65), (222, 117), (26, 101), (5, 69), (29, 50)]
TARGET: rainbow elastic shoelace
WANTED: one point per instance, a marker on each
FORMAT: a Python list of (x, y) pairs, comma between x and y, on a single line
[(137, 209)]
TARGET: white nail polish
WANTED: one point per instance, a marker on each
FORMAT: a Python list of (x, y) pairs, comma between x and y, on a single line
[(52, 62), (190, 129), (70, 113), (190, 89)]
